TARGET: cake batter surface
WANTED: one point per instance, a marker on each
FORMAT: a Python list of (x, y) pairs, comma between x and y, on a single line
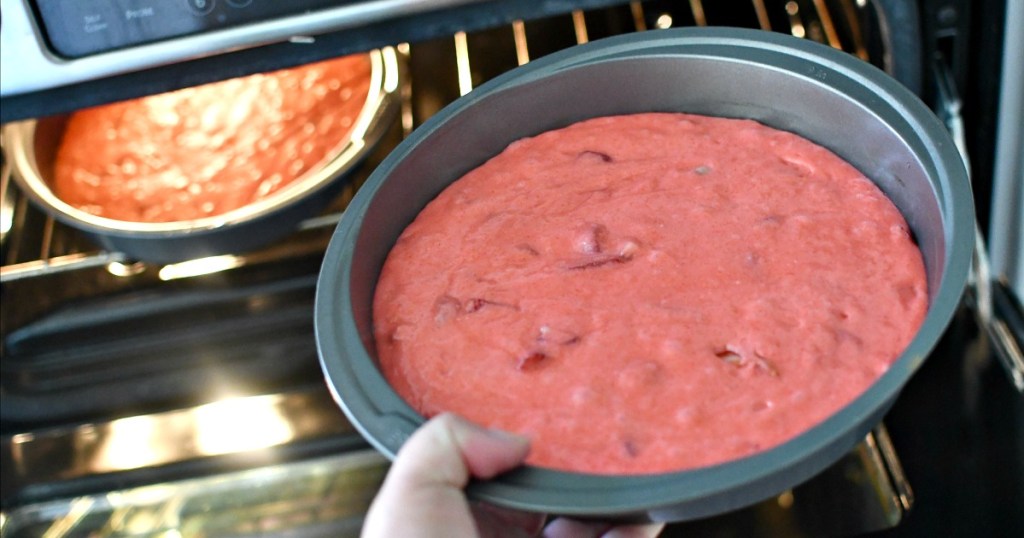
[(210, 149), (650, 292)]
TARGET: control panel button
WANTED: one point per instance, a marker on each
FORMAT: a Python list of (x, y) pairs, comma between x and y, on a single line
[(144, 12), (201, 7)]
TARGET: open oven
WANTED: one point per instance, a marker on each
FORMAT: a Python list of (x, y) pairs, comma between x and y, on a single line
[(184, 397)]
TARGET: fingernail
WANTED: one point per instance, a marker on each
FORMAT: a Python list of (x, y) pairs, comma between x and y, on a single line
[(507, 436)]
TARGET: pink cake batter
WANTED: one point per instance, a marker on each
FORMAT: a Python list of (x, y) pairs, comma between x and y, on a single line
[(650, 292)]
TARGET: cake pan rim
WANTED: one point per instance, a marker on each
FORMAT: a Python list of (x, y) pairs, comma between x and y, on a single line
[(954, 201)]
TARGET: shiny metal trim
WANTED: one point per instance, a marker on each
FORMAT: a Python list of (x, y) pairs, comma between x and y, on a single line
[(880, 478), (27, 65), (897, 477), (58, 264)]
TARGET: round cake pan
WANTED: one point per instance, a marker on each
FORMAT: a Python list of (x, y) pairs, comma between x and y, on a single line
[(32, 145), (820, 93)]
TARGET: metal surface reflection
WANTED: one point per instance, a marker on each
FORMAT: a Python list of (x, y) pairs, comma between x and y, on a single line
[(240, 424), (321, 497), (863, 492), (230, 426), (200, 266), (330, 495)]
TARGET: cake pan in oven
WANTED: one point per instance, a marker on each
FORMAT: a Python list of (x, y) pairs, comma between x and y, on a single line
[(820, 93), (32, 148)]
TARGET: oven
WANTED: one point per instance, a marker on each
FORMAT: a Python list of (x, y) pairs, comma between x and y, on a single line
[(186, 398)]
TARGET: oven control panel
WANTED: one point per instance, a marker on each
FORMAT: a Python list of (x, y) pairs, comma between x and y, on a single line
[(77, 28), (47, 44), (62, 55)]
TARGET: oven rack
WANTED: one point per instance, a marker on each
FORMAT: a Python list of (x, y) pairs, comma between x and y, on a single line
[(35, 245)]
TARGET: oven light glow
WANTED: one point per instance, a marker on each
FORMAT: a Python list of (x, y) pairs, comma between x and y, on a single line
[(664, 21), (6, 218), (785, 499), (133, 442), (122, 269), (795, 23), (200, 266), (240, 424), (20, 438)]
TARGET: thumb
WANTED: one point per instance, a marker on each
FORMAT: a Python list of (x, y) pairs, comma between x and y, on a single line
[(423, 489), (448, 450)]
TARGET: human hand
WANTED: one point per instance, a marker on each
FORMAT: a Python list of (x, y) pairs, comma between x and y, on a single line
[(422, 495)]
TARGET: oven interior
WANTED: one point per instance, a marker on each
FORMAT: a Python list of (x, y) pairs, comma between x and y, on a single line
[(186, 399)]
